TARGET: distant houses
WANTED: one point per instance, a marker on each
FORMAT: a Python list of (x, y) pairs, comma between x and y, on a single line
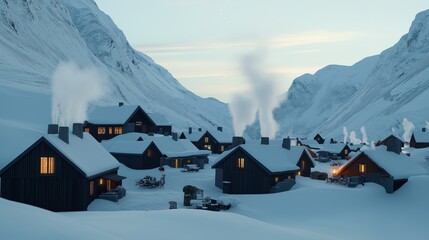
[(392, 138), (388, 168), (319, 139), (143, 151), (107, 122), (59, 171), (261, 168), (420, 139), (216, 141)]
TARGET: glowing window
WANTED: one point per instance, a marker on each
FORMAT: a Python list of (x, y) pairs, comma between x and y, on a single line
[(276, 179), (299, 173), (206, 139), (101, 130), (240, 162), (86, 130), (346, 151), (222, 148), (149, 153), (108, 185), (110, 130), (118, 130), (101, 181), (362, 168), (91, 188), (47, 165)]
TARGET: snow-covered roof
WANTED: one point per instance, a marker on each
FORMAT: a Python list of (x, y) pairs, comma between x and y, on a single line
[(332, 148), (194, 136), (159, 119), (127, 143), (311, 143), (111, 114), (421, 137), (221, 137), (399, 166), (273, 157), (87, 154)]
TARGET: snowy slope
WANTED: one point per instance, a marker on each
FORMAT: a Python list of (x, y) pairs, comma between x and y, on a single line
[(35, 36), (377, 92)]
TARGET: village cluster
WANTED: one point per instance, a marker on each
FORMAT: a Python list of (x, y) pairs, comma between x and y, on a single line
[(66, 169)]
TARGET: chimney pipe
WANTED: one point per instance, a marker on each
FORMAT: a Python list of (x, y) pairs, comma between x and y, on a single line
[(78, 129), (190, 130), (220, 129), (63, 134), (237, 141), (175, 136), (265, 140), (200, 129), (286, 143), (121, 104), (424, 129), (394, 145), (53, 129)]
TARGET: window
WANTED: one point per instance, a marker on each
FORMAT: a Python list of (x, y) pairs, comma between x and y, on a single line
[(302, 164), (206, 139), (101, 181), (101, 130), (149, 153), (86, 130), (109, 184), (118, 130), (362, 168), (240, 162), (138, 123), (176, 163), (110, 130), (346, 151), (222, 148), (91, 188), (47, 165), (208, 147), (276, 179), (299, 173)]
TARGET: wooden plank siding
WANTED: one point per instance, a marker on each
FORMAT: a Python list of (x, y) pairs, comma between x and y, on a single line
[(305, 163), (141, 161), (215, 146), (252, 179), (353, 168)]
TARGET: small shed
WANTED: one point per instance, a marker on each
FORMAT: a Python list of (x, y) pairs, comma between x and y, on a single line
[(420, 139)]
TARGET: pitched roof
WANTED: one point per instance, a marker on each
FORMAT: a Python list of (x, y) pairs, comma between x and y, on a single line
[(273, 158), (159, 119), (221, 137), (194, 136), (127, 143), (421, 137), (86, 154), (399, 166), (111, 114)]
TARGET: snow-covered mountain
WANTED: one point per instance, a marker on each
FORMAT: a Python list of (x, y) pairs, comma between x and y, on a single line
[(35, 36), (377, 92)]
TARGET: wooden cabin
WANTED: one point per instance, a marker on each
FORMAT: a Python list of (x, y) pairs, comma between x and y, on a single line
[(337, 151), (142, 151), (260, 168), (393, 138), (215, 141), (319, 139), (420, 139), (107, 122), (59, 171), (386, 168)]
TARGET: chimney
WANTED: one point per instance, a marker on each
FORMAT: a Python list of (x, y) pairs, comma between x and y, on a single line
[(175, 136), (394, 145), (200, 129), (190, 130), (237, 141), (78, 129), (220, 129), (424, 129), (121, 104), (286, 143), (53, 129), (129, 127), (265, 140), (63, 134)]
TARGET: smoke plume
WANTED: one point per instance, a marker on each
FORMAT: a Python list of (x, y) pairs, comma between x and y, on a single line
[(372, 145), (408, 129), (345, 135), (73, 88), (364, 135), (427, 125), (354, 139), (261, 98)]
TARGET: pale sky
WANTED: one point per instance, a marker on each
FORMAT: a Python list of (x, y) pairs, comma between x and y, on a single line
[(202, 42)]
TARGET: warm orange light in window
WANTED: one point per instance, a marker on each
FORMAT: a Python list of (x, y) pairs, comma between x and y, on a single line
[(101, 181), (362, 168), (47, 165), (240, 162), (334, 171), (118, 130), (206, 139), (101, 130)]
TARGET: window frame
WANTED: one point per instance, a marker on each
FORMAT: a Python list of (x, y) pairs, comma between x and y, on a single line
[(362, 168), (240, 162), (101, 130), (50, 168)]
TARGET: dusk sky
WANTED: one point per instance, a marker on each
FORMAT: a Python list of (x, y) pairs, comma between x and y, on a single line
[(202, 43)]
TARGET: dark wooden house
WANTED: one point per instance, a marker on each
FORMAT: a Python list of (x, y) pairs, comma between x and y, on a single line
[(319, 139), (386, 168), (60, 171), (216, 141), (390, 138), (337, 151), (260, 168), (142, 151), (107, 122), (420, 139)]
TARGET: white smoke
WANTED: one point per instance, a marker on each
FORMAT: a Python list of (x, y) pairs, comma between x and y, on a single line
[(354, 139), (261, 98), (427, 125), (393, 130), (73, 88), (364, 135), (372, 145), (408, 129), (345, 135)]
